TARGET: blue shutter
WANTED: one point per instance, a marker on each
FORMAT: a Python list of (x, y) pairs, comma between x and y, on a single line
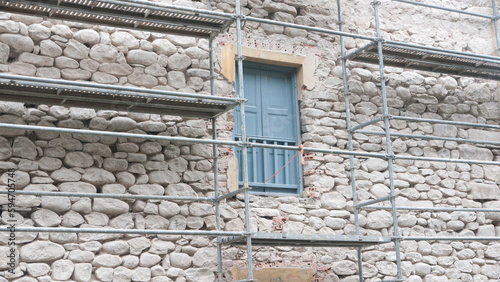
[(271, 115), (277, 106), (253, 108)]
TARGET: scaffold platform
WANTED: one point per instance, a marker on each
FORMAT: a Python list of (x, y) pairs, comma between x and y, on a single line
[(411, 56), (136, 14), (307, 240), (34, 90)]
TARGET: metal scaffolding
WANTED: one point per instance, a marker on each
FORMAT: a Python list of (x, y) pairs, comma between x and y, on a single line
[(417, 57), (150, 16)]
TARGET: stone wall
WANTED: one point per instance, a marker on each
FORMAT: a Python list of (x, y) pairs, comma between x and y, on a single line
[(73, 162)]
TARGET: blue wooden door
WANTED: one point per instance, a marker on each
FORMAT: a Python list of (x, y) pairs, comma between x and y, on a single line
[(271, 118)]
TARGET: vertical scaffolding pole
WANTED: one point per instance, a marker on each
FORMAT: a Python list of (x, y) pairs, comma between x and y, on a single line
[(390, 156), (495, 23), (349, 137), (244, 152), (215, 153)]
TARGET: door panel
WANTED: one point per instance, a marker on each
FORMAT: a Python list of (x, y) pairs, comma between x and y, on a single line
[(253, 107), (277, 106)]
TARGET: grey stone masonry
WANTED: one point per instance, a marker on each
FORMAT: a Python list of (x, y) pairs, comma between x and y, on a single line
[(64, 162)]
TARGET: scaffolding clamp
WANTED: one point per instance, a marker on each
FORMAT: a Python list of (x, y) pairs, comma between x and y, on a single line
[(239, 16), (240, 58), (245, 144), (380, 78)]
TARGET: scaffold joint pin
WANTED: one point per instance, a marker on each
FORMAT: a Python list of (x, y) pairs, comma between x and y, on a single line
[(242, 17)]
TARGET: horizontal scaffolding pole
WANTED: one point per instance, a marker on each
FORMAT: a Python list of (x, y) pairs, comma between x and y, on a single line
[(184, 139), (375, 120), (395, 134), (367, 203), (446, 209), (316, 150), (359, 50), (437, 238), (115, 196), (400, 157), (121, 231), (117, 134), (231, 194), (491, 126), (229, 143), (309, 28), (38, 82), (445, 8)]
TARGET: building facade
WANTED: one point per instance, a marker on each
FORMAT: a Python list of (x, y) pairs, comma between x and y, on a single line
[(299, 91)]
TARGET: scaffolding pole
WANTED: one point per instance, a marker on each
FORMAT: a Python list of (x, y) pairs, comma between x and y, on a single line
[(431, 137), (349, 138), (495, 23), (186, 140), (426, 209), (457, 238), (215, 154), (379, 200), (117, 134), (120, 231), (360, 50), (387, 127), (401, 157), (103, 195), (362, 125), (444, 8), (309, 28), (435, 121), (230, 143), (439, 121), (244, 150)]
